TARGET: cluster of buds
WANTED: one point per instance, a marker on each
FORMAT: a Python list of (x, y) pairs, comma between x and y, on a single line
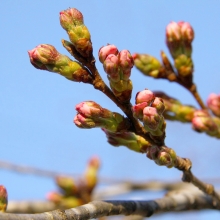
[(91, 115), (175, 110), (179, 37), (118, 67), (46, 57), (3, 198), (148, 65), (163, 156), (128, 139), (72, 193), (213, 103), (149, 109), (72, 21), (203, 122)]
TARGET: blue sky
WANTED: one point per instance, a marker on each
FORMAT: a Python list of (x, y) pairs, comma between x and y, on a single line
[(37, 107)]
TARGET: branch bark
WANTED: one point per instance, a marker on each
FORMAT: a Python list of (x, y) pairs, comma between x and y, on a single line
[(174, 201)]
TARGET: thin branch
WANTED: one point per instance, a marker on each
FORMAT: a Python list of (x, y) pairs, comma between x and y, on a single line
[(32, 170), (175, 201), (185, 165)]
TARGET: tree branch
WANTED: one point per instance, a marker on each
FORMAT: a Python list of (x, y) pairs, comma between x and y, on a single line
[(174, 201)]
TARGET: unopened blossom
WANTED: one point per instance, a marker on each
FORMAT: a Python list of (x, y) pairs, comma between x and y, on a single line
[(144, 96), (162, 156), (46, 57), (151, 118), (107, 50), (166, 157), (186, 30), (173, 32), (42, 55), (202, 122), (179, 37), (111, 64), (126, 63), (72, 21), (158, 103), (70, 17), (138, 110), (90, 109), (213, 103), (91, 115)]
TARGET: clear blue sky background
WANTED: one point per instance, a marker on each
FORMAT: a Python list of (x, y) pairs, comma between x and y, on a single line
[(37, 107)]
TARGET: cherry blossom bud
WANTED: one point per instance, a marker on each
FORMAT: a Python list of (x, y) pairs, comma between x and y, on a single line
[(70, 17), (187, 32), (72, 21), (158, 103), (42, 55), (166, 157), (3, 198), (111, 64), (173, 32), (213, 103), (107, 50), (83, 122), (128, 139), (147, 64), (89, 109), (91, 115), (138, 110), (151, 118), (144, 96), (126, 62), (202, 122), (46, 57), (179, 37)]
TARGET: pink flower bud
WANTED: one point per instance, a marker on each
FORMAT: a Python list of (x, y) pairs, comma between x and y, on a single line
[(83, 122), (159, 105), (173, 32), (89, 109), (198, 124), (94, 162), (126, 61), (144, 96), (111, 64), (138, 110), (186, 30), (107, 50), (70, 17), (204, 123), (151, 118), (213, 103), (42, 55)]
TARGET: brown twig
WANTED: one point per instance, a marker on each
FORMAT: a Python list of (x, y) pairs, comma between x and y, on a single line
[(185, 165), (175, 201)]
